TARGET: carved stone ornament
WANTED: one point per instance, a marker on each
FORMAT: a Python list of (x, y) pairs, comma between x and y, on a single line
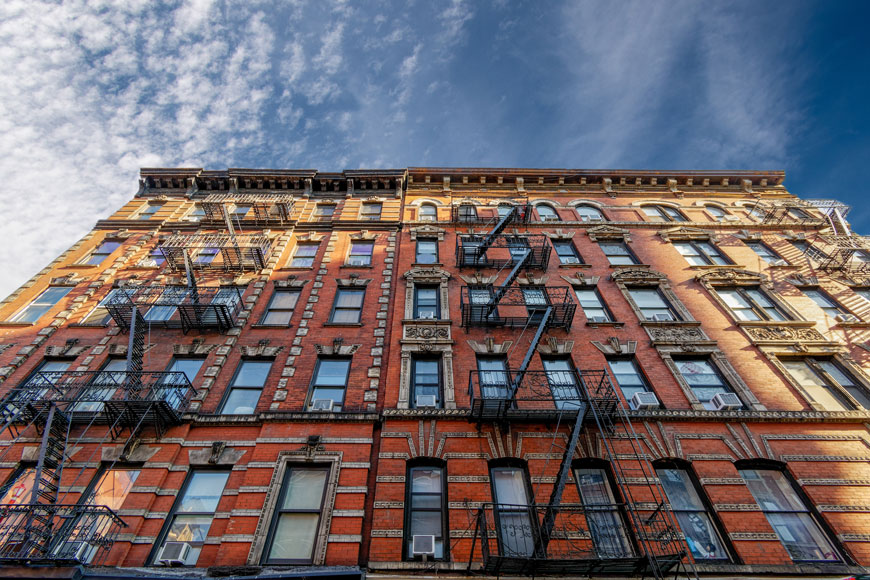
[(677, 334), (364, 235), (638, 276), (731, 277), (197, 348), (783, 334), (686, 233), (560, 234), (70, 279), (532, 280), (70, 349), (746, 236), (426, 275), (310, 237), (614, 346), (427, 231), (353, 280), (427, 332), (801, 280), (552, 346), (579, 280), (261, 350), (336, 349), (489, 346), (607, 232), (478, 279), (855, 282), (3, 347), (290, 282), (120, 350)]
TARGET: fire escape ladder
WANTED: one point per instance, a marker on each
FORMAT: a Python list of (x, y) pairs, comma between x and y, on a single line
[(135, 350), (51, 455), (502, 288), (499, 228), (183, 313), (527, 359)]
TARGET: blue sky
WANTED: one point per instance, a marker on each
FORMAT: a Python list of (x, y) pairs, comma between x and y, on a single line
[(95, 90)]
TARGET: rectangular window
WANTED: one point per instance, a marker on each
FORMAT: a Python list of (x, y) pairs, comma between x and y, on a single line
[(863, 293), (304, 256), (518, 246), (189, 366), (245, 388), (101, 253), (360, 254), (149, 211), (828, 384), (103, 386), (329, 384), (567, 252), (19, 488), (280, 307), (701, 253), (370, 211), (562, 379), (427, 251), (825, 302), (427, 514), (192, 514), (493, 377), (426, 303), (347, 307), (536, 301), (628, 376), (324, 211), (41, 304), (296, 522), (206, 256), (593, 306), (748, 303), (426, 382), (167, 304), (112, 487), (155, 259), (618, 253), (788, 515), (196, 214), (604, 514), (240, 211), (652, 304), (809, 250), (100, 316), (516, 521), (703, 378), (764, 252), (428, 213), (701, 533), (467, 213)]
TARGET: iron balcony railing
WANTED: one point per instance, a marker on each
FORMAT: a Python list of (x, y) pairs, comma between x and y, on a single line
[(220, 251), (57, 534), (847, 253), (539, 395), (467, 213), (114, 397), (580, 540), (520, 306), (504, 251), (199, 308), (262, 209)]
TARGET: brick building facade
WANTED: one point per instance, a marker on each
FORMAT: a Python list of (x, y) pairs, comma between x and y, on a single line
[(505, 371)]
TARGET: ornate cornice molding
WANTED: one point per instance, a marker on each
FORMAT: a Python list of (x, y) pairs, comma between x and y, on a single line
[(489, 346)]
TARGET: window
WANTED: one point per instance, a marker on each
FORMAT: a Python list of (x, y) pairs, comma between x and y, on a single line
[(618, 253), (547, 213), (427, 251), (798, 214), (206, 256), (503, 209), (149, 211), (717, 213), (111, 376), (360, 253), (193, 512), (467, 213), (240, 211), (825, 302), (293, 534), (604, 513), (18, 489), (703, 378), (41, 304), (155, 259), (101, 253), (100, 316), (701, 253), (189, 366), (758, 213), (427, 303), (47, 366), (329, 383), (347, 307), (370, 211), (304, 256), (111, 487), (810, 251), (515, 520), (493, 377), (280, 307), (829, 384), (693, 514), (764, 252), (652, 304), (863, 293), (428, 213), (535, 299), (788, 515), (567, 252), (426, 513), (518, 247), (426, 381), (748, 303), (196, 214), (587, 213), (324, 211), (166, 306), (663, 213), (480, 298), (593, 306), (628, 376), (245, 388), (562, 379)]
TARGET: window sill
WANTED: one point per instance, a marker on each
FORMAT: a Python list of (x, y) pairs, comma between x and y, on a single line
[(717, 266), (144, 268), (10, 324), (79, 266), (430, 265), (794, 323), (349, 324), (571, 266), (670, 323), (258, 325), (616, 266), (782, 266), (431, 321), (613, 323), (355, 267), (860, 324), (297, 268), (81, 325)]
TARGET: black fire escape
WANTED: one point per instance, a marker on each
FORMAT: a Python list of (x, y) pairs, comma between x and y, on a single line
[(66, 409), (636, 537)]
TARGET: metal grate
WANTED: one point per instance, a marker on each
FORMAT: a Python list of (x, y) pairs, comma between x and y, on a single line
[(503, 251), (517, 307), (185, 307), (265, 208), (217, 251)]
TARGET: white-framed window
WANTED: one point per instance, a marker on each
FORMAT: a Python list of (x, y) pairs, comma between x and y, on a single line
[(100, 253), (698, 253), (41, 304), (360, 253), (370, 211), (303, 256), (750, 303), (547, 214), (428, 213)]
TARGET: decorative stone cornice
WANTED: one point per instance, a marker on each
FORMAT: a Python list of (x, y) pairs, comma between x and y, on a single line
[(685, 336), (261, 350), (419, 274), (353, 280), (783, 334), (197, 348), (489, 346), (310, 237), (414, 331), (336, 349), (290, 282), (580, 280), (552, 346), (70, 279), (427, 231), (731, 277), (531, 280), (71, 349), (682, 233), (638, 276), (363, 235), (801, 280), (608, 232), (560, 234), (613, 346), (120, 350), (746, 235), (478, 279)]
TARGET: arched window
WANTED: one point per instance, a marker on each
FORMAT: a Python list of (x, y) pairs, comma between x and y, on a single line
[(547, 213), (426, 509), (588, 213), (717, 212), (504, 209), (428, 213), (514, 513), (467, 213), (605, 513), (663, 213)]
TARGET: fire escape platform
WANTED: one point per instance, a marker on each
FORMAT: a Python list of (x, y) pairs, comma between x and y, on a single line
[(502, 251), (265, 208), (237, 252), (197, 308), (519, 307)]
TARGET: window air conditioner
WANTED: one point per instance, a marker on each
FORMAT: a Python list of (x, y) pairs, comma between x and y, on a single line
[(423, 545), (663, 316), (322, 404), (174, 553), (727, 402), (847, 317), (642, 401), (426, 401)]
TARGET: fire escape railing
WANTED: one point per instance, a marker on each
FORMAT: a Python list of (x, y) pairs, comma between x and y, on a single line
[(185, 307), (471, 214), (504, 250), (790, 211), (230, 252), (517, 307), (846, 253), (265, 209)]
